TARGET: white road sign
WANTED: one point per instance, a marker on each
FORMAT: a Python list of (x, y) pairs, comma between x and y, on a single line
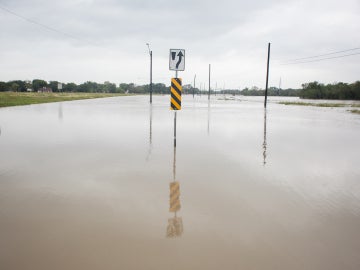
[(177, 59)]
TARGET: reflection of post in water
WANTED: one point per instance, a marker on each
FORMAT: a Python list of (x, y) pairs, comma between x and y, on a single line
[(150, 134), (208, 122), (264, 143), (60, 115), (175, 225)]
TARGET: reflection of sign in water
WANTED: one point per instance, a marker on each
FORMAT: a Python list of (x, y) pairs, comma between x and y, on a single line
[(174, 197), (175, 227)]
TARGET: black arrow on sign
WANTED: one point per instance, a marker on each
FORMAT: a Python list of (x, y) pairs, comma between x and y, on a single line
[(180, 54)]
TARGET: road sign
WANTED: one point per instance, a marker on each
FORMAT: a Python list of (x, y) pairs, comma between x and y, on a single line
[(175, 99), (174, 197), (177, 59)]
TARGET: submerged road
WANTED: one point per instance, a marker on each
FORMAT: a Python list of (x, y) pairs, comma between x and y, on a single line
[(97, 184)]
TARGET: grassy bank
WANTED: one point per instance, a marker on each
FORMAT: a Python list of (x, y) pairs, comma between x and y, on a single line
[(355, 111), (21, 98), (320, 104)]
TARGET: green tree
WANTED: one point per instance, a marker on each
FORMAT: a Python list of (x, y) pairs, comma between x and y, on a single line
[(90, 87), (3, 87), (14, 86), (108, 87), (70, 87), (37, 84), (54, 86)]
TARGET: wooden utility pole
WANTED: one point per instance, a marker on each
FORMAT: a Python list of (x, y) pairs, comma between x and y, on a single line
[(267, 76), (209, 81)]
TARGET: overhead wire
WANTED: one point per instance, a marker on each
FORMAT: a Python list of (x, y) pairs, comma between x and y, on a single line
[(46, 26), (319, 57), (317, 60)]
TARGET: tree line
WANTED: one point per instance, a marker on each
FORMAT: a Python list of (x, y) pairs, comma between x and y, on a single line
[(107, 87), (90, 87), (316, 90), (312, 90)]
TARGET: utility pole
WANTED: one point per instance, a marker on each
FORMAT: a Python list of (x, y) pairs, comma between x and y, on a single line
[(279, 87), (194, 86), (150, 53), (267, 75), (209, 81)]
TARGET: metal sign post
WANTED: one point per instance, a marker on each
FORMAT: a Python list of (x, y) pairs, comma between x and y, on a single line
[(176, 63)]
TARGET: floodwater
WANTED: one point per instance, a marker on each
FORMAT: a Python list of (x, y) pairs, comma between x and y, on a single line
[(86, 185)]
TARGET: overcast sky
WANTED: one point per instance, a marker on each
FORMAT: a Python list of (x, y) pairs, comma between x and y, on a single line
[(93, 40)]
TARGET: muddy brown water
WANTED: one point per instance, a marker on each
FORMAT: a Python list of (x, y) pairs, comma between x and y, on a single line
[(85, 185)]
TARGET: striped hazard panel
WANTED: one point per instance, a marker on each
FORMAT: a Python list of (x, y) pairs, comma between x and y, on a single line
[(175, 90)]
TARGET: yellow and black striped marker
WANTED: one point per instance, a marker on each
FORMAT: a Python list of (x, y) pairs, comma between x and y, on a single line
[(175, 90), (174, 197)]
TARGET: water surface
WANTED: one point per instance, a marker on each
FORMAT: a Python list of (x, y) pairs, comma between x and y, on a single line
[(86, 185)]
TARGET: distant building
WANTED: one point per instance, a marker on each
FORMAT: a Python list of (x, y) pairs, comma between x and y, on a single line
[(45, 90)]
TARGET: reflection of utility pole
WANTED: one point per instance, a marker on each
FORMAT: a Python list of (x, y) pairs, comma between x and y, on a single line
[(208, 122), (150, 134), (264, 143), (60, 114)]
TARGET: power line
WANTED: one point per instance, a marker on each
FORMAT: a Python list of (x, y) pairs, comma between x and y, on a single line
[(45, 26), (321, 55), (317, 60)]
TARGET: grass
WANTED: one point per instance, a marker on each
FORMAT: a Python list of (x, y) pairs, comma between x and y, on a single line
[(8, 99), (225, 98), (355, 111), (320, 104)]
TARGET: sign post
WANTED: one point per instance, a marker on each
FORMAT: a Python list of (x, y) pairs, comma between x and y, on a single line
[(176, 63)]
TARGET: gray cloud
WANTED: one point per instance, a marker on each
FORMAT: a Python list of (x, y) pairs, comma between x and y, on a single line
[(110, 39)]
